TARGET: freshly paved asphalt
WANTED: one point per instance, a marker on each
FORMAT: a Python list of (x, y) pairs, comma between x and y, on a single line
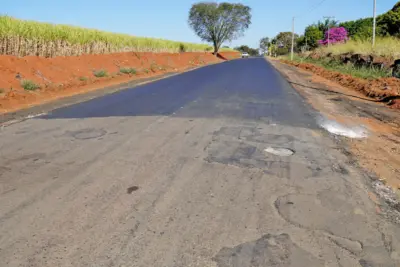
[(174, 173)]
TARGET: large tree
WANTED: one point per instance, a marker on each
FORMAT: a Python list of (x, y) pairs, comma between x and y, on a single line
[(247, 49), (282, 43), (313, 34), (360, 29), (218, 23), (264, 44), (309, 40), (284, 40), (390, 21), (327, 24)]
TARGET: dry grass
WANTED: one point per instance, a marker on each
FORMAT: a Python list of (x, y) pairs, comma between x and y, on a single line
[(385, 47), (368, 73), (22, 38)]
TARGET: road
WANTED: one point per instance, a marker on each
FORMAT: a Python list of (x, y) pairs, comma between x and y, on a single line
[(175, 173)]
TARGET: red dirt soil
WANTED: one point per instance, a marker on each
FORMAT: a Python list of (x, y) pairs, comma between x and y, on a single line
[(377, 88), (65, 76)]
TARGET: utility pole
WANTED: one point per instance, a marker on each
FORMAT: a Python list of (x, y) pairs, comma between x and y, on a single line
[(374, 26), (328, 18), (292, 50), (306, 42)]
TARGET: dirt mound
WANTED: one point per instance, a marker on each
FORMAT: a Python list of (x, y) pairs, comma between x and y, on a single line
[(383, 89), (65, 76), (229, 55)]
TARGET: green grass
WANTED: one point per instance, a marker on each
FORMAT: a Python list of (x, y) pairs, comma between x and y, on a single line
[(29, 85), (125, 70), (385, 47), (83, 79), (100, 73), (47, 32), (361, 72)]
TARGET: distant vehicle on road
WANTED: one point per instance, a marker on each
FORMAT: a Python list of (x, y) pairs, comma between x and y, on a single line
[(245, 55)]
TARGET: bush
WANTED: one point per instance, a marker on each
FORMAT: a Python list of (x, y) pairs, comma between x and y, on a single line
[(282, 51), (29, 85), (128, 71), (83, 79), (100, 73), (182, 48)]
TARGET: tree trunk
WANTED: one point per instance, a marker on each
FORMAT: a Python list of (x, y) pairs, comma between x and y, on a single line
[(216, 48)]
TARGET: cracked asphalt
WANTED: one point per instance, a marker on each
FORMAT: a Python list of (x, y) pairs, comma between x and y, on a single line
[(175, 173)]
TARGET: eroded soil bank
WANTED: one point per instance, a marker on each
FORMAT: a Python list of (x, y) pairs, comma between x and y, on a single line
[(66, 76), (383, 89)]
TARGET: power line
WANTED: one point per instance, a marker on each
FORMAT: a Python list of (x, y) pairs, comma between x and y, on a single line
[(311, 10), (314, 7)]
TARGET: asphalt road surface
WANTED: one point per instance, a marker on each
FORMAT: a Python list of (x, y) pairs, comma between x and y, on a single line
[(175, 173)]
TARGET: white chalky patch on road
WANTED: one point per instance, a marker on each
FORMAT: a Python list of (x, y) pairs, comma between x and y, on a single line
[(340, 129), (34, 115), (277, 151)]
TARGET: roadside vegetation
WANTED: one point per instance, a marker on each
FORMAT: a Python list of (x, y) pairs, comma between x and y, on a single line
[(100, 73), (248, 50), (29, 85), (345, 47), (385, 47), (344, 37), (350, 69), (126, 70), (22, 38)]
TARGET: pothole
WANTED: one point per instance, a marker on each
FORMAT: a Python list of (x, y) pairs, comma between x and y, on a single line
[(88, 133), (132, 189), (279, 151), (269, 250)]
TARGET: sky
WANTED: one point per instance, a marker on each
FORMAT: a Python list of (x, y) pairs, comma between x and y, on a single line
[(167, 19)]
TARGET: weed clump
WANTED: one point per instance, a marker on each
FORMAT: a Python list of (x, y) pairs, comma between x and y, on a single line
[(127, 71), (100, 73), (29, 85)]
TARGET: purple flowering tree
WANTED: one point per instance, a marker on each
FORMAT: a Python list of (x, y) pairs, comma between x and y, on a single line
[(335, 35)]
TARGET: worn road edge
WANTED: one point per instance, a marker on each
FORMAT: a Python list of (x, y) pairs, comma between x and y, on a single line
[(7, 119)]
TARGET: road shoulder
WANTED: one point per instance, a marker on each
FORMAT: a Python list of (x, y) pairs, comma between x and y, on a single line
[(378, 152)]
